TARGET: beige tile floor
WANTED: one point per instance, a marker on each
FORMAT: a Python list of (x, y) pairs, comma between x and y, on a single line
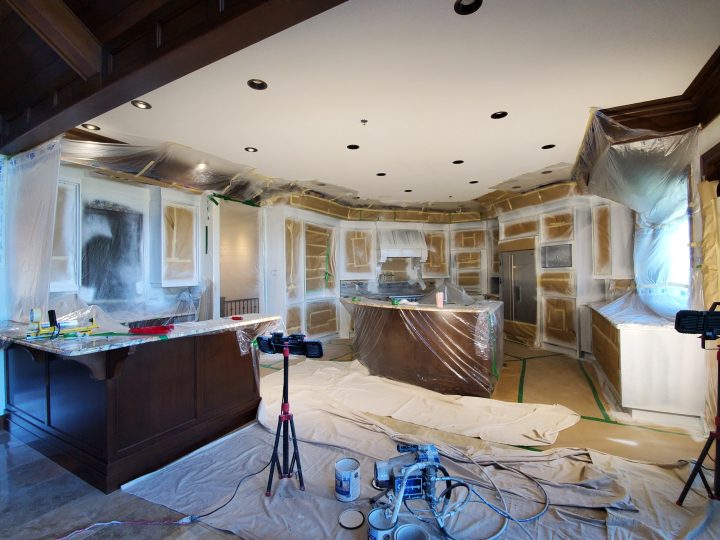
[(39, 499)]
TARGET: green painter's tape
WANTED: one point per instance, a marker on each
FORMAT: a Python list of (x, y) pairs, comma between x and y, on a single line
[(522, 382), (595, 394)]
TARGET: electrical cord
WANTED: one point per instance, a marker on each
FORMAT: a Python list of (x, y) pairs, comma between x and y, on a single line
[(187, 520), (237, 487)]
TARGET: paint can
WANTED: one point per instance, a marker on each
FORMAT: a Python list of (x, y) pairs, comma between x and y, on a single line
[(410, 531), (379, 526), (347, 479)]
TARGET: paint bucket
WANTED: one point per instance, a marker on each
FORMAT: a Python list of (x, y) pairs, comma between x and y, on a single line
[(410, 532), (347, 479), (439, 297), (379, 526)]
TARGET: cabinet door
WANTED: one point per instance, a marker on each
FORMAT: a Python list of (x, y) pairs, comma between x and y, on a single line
[(469, 273), (357, 252), (602, 255), (559, 321), (180, 243), (437, 261), (294, 287), (319, 261), (64, 261)]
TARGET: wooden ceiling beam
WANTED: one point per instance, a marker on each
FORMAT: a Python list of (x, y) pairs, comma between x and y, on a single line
[(60, 28), (173, 41)]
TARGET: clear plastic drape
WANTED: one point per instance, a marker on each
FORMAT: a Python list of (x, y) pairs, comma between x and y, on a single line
[(32, 185), (653, 174), (456, 351)]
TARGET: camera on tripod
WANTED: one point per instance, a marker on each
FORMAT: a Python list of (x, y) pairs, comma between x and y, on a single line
[(297, 344), (704, 323)]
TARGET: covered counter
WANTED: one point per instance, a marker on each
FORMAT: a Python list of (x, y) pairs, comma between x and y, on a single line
[(453, 350), (111, 408), (652, 368)]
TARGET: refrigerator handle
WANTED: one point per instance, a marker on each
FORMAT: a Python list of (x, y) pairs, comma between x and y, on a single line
[(516, 290)]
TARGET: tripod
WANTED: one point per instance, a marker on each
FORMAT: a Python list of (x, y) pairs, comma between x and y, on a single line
[(713, 437), (284, 419)]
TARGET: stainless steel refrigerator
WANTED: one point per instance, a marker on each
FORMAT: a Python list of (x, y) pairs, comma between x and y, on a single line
[(519, 286)]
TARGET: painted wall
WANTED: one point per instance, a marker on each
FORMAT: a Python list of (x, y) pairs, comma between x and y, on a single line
[(239, 250), (710, 135)]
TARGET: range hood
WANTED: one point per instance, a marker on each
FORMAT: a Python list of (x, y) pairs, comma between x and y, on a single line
[(402, 243)]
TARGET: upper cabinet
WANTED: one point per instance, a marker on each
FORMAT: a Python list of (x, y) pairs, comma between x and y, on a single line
[(436, 264), (65, 258), (357, 251), (612, 241), (175, 238)]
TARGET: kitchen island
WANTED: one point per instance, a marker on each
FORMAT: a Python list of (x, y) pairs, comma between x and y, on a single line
[(453, 350), (111, 408)]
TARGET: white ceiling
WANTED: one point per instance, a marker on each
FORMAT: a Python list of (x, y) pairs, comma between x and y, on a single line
[(427, 80)]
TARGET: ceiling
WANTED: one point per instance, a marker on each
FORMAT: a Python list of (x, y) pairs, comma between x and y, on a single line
[(426, 80)]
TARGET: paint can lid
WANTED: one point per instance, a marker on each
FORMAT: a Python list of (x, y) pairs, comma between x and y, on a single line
[(351, 519)]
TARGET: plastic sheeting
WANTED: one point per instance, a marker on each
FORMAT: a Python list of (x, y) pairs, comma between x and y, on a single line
[(651, 173), (172, 164), (32, 182), (450, 350)]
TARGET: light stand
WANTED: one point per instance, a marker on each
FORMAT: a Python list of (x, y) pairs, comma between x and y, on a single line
[(707, 324), (697, 469), (286, 425)]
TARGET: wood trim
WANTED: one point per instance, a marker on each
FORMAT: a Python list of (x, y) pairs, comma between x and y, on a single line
[(710, 163), (60, 28), (520, 244), (698, 104), (134, 65)]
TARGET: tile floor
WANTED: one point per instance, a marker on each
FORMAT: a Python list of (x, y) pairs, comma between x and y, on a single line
[(39, 499)]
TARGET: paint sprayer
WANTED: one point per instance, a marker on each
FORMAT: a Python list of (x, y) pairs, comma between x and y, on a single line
[(417, 474)]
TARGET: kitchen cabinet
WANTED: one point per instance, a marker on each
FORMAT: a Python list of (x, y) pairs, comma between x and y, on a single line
[(175, 245)]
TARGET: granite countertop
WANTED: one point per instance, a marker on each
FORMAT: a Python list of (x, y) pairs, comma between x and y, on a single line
[(12, 332), (482, 305)]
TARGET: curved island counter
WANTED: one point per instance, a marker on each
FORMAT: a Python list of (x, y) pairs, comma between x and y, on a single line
[(453, 350), (111, 408)]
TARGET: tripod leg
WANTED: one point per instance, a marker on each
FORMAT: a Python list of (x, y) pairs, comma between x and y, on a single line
[(296, 455), (697, 469), (274, 459)]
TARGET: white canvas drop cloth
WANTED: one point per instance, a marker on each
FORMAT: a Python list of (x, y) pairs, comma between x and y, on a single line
[(348, 389), (592, 495)]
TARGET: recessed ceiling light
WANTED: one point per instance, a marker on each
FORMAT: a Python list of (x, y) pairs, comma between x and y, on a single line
[(140, 104), (380, 174), (546, 172), (449, 196), (458, 162), (466, 7), (473, 182), (498, 115), (547, 146), (201, 166), (352, 146), (321, 184), (357, 197), (257, 84), (91, 127), (516, 187), (408, 191), (250, 149)]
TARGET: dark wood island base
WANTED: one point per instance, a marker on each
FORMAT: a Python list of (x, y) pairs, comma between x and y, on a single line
[(113, 415)]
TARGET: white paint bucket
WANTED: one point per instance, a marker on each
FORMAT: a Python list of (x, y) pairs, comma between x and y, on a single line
[(347, 479), (379, 526), (410, 532)]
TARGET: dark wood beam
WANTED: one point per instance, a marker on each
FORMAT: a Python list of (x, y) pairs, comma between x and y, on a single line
[(58, 26), (177, 39), (699, 104)]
